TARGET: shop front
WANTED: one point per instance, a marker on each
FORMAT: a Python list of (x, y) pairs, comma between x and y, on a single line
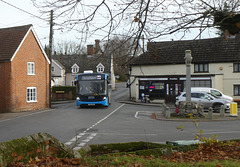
[(167, 88)]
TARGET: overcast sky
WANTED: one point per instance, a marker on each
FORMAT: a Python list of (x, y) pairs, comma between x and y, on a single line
[(22, 12), (16, 15)]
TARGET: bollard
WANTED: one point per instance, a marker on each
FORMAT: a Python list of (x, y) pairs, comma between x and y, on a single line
[(200, 109), (210, 113), (167, 112), (164, 109), (233, 109), (222, 111)]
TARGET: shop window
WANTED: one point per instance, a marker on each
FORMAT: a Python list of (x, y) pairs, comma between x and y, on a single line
[(155, 89), (199, 83)]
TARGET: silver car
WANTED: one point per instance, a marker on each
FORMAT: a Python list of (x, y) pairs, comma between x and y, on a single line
[(207, 99)]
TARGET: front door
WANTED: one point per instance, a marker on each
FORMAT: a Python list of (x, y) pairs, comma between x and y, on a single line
[(172, 89)]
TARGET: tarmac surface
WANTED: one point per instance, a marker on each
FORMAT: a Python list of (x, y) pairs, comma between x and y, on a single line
[(158, 116)]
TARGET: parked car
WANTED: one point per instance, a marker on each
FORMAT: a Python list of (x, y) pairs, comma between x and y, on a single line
[(212, 91), (207, 99)]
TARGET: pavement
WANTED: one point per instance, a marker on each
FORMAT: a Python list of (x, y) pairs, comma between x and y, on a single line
[(12, 115)]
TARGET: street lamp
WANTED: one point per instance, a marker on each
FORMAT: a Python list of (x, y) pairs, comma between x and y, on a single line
[(188, 60)]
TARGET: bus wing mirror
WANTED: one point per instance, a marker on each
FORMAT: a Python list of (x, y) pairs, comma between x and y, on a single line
[(75, 83)]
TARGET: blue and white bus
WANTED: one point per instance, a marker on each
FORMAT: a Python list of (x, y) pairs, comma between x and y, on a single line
[(93, 89)]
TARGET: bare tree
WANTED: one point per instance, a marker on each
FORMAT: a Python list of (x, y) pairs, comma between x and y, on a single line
[(152, 18), (122, 51), (69, 48)]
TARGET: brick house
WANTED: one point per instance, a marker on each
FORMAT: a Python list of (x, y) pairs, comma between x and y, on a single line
[(24, 70), (161, 70)]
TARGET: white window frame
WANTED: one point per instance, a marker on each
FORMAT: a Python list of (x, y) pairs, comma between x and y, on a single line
[(201, 68), (31, 68), (31, 94), (100, 68), (75, 68)]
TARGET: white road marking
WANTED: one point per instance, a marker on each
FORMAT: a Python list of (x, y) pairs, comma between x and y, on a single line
[(92, 135), (88, 137), (143, 113)]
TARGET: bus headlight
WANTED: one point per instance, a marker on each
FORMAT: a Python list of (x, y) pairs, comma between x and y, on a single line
[(78, 98), (104, 98)]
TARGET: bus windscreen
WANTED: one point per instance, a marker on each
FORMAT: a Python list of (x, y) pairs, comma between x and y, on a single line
[(92, 87)]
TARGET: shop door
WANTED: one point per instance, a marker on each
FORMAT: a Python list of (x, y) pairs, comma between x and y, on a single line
[(173, 89)]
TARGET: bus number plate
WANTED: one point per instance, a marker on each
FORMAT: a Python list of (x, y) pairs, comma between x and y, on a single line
[(91, 104)]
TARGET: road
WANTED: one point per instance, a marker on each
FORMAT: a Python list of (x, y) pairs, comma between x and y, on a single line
[(119, 122)]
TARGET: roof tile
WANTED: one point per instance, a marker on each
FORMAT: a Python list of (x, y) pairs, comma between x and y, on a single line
[(211, 50), (10, 39)]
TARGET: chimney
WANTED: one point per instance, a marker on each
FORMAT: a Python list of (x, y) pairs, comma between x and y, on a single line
[(97, 46), (89, 49)]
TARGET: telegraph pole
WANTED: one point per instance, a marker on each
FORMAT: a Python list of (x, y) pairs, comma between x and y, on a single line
[(112, 74), (143, 43), (50, 56)]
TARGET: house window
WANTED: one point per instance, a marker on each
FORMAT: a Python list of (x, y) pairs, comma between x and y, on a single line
[(100, 68), (75, 68), (236, 90), (236, 67), (31, 94), (53, 69), (31, 68), (199, 68)]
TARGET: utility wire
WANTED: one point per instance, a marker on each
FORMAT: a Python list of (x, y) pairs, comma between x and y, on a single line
[(23, 10)]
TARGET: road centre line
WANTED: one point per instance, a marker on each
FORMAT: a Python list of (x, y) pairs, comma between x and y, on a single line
[(74, 139), (104, 118)]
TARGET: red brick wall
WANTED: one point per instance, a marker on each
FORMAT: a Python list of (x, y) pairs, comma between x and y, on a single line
[(29, 52), (5, 86)]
